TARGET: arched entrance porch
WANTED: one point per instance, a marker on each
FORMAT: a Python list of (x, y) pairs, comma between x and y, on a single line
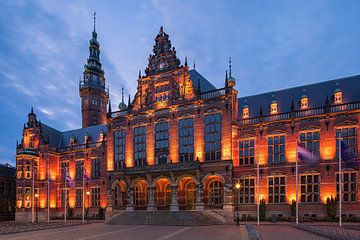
[(162, 194), (186, 193)]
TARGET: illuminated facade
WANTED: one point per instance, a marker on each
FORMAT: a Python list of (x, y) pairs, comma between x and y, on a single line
[(182, 144)]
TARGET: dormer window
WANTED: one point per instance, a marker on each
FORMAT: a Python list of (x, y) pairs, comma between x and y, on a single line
[(273, 107), (87, 138), (245, 111), (101, 137), (338, 96), (72, 141), (304, 102)]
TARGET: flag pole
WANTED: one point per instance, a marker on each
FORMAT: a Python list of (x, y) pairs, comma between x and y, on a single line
[(33, 192), (83, 197), (48, 189), (297, 180), (258, 190), (340, 183), (65, 202)]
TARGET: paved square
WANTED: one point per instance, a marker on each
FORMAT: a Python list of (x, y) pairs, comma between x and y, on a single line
[(134, 232)]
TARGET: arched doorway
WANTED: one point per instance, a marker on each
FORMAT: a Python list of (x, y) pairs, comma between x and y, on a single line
[(213, 192), (187, 193), (119, 195), (162, 194), (140, 195)]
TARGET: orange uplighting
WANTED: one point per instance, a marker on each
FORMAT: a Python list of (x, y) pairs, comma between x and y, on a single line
[(327, 152), (42, 202)]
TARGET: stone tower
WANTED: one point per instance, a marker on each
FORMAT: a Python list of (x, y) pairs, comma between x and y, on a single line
[(94, 95)]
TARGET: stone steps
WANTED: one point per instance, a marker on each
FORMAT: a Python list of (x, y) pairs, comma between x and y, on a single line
[(178, 218)]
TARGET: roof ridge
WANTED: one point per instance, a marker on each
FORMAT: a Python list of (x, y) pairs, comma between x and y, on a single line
[(301, 86)]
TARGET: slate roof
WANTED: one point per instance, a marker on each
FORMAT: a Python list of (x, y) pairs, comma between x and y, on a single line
[(59, 139), (7, 171), (316, 93), (205, 85)]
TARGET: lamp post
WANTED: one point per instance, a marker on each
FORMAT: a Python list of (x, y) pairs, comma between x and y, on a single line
[(36, 207), (237, 219), (88, 206)]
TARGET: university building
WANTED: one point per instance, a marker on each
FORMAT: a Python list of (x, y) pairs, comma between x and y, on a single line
[(182, 144)]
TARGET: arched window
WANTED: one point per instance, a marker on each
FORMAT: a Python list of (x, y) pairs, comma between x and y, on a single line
[(245, 111), (216, 192)]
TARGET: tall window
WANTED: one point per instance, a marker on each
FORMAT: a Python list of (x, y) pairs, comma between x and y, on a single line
[(349, 187), (310, 140), (186, 140), (348, 136), (27, 197), (276, 189), (216, 192), (95, 196), (246, 151), (140, 145), (247, 190), (119, 149), (162, 142), (310, 188), (276, 149), (95, 167), (79, 197), (79, 169), (64, 169), (213, 137)]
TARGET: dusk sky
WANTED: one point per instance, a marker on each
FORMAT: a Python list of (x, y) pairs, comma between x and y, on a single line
[(273, 45)]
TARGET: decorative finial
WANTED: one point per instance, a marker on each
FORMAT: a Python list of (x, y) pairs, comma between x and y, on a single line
[(32, 110), (161, 29), (186, 62), (229, 66), (139, 74), (109, 109), (94, 21), (194, 65), (129, 103), (226, 78)]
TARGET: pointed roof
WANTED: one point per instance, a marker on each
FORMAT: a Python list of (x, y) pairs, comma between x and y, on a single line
[(164, 58)]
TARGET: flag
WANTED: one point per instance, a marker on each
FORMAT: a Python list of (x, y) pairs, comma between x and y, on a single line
[(70, 180), (305, 155), (348, 156)]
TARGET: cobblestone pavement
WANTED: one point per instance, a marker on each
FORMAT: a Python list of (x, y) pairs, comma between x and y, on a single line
[(285, 231), (336, 232), (134, 232)]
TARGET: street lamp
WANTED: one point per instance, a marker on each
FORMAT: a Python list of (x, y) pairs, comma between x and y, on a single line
[(237, 219), (36, 207), (87, 210)]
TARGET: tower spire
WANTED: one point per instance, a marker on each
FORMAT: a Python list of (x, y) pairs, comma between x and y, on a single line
[(230, 66), (186, 62), (194, 65), (122, 94), (226, 78), (94, 21)]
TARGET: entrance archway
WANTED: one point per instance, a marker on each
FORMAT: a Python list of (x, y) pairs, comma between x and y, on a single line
[(119, 195), (187, 193), (213, 191), (162, 194), (140, 195)]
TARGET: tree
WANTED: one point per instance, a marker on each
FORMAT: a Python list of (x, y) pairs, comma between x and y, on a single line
[(262, 209), (331, 207)]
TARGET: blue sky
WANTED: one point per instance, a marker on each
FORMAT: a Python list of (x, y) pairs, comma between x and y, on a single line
[(273, 44)]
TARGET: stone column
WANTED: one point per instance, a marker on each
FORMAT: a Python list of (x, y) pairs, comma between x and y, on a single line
[(174, 206), (150, 195), (130, 205), (110, 203), (228, 199), (199, 206)]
